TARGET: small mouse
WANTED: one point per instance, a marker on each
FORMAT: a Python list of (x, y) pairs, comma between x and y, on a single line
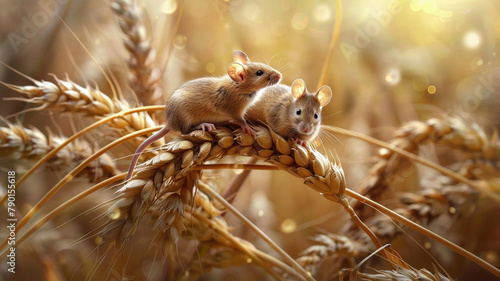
[(291, 111), (200, 103)]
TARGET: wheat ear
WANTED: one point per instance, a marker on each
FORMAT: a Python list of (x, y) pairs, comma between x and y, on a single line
[(145, 79), (18, 142), (69, 177), (68, 96), (74, 137)]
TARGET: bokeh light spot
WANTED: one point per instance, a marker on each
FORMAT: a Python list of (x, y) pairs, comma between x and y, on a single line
[(491, 257), (472, 40), (115, 214), (261, 213), (431, 89), (180, 42), (168, 6), (299, 21), (238, 169), (322, 12), (393, 76), (288, 226)]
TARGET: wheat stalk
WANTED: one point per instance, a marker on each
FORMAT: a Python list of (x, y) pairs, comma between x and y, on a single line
[(172, 172), (145, 79), (169, 178), (18, 142), (452, 132), (208, 227), (69, 177), (68, 96)]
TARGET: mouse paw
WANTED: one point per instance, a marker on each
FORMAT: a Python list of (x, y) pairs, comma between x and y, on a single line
[(205, 126), (247, 130), (301, 142)]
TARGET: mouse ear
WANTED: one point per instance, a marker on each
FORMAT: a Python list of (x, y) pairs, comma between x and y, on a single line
[(239, 56), (237, 72), (324, 95), (298, 88)]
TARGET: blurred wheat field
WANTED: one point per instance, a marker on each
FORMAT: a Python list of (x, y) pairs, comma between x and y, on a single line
[(422, 76)]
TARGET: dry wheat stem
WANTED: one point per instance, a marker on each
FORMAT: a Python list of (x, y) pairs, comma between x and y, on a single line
[(71, 175), (205, 188), (353, 277), (424, 231), (415, 158), (237, 181), (389, 254), (360, 224), (78, 134), (205, 218), (64, 206), (335, 38), (257, 167), (234, 241), (275, 262)]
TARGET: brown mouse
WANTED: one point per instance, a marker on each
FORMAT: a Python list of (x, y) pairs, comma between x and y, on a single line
[(291, 111), (202, 102)]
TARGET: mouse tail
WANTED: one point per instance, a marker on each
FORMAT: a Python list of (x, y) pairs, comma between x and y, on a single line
[(156, 136)]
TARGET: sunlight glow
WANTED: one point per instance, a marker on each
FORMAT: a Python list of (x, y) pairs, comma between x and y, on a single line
[(168, 7), (472, 40)]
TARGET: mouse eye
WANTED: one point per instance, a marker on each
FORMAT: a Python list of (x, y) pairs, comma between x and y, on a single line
[(299, 111), (259, 72), (316, 116)]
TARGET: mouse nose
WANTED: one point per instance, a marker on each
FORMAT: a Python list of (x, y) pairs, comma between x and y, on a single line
[(307, 129), (275, 77)]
